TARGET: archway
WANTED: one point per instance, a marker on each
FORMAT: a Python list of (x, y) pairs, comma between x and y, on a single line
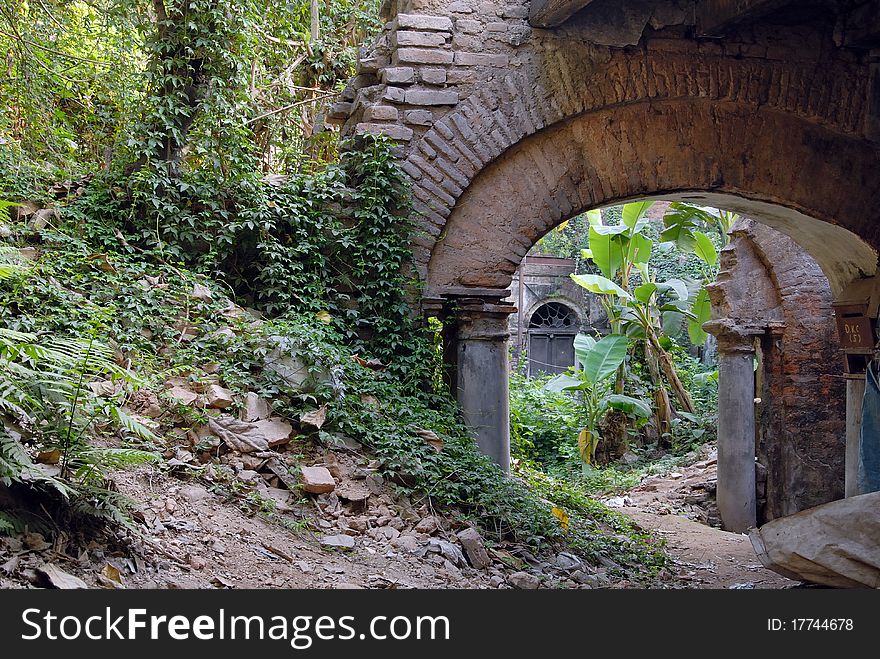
[(813, 191), (805, 180)]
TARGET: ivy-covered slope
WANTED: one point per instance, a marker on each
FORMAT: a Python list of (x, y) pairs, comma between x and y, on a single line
[(317, 260)]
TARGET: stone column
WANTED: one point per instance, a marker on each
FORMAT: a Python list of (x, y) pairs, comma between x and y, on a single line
[(736, 425), (482, 375), (855, 395)]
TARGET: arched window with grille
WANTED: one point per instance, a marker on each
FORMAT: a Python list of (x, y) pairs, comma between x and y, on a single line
[(552, 329)]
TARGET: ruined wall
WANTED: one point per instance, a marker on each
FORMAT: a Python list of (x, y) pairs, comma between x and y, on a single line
[(507, 129), (768, 282)]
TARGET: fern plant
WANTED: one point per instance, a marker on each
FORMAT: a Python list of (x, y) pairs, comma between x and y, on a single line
[(46, 406)]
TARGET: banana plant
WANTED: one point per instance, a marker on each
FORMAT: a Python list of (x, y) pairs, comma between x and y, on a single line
[(599, 361), (685, 226), (646, 312)]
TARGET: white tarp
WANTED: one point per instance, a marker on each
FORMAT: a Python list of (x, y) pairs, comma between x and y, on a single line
[(836, 544)]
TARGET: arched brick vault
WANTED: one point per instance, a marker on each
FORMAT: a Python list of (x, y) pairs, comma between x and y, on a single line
[(506, 129), (585, 126), (664, 148)]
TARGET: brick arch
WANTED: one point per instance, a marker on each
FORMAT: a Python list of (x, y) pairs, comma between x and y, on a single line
[(809, 177)]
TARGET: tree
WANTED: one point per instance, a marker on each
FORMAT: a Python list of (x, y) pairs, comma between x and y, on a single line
[(644, 312), (683, 223)]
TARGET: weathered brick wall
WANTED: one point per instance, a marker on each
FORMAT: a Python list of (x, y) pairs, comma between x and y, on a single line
[(508, 129), (800, 440)]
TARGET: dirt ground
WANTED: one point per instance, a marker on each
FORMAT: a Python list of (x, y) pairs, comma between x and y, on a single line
[(193, 534), (680, 508)]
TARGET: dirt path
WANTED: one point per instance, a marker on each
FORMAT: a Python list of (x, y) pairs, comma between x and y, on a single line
[(680, 508), (193, 535)]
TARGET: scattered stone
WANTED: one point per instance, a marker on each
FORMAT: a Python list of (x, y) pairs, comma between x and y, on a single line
[(428, 525), (194, 494), (281, 499), (248, 476), (183, 396), (275, 431), (197, 563), (281, 470), (219, 398), (200, 292), (220, 582), (523, 581), (339, 540), (356, 494), (374, 483), (406, 543), (448, 550), (474, 548), (255, 408), (629, 458), (58, 578), (317, 480), (568, 562), (358, 524), (496, 581), (586, 579)]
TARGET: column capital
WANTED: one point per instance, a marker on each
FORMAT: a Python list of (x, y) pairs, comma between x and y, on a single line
[(734, 337), (482, 321), (480, 314)]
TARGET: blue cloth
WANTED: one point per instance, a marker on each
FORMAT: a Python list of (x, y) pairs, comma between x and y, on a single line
[(868, 479)]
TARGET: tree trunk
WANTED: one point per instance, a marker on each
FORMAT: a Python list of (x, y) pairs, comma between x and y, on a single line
[(663, 407), (668, 368)]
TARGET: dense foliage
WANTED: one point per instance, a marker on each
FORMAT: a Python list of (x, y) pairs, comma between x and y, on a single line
[(209, 168)]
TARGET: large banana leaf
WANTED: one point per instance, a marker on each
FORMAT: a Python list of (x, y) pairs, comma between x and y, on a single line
[(629, 405), (638, 250), (702, 311), (583, 343), (601, 285), (704, 248), (605, 250), (644, 292), (602, 361), (566, 382), (635, 211), (676, 285)]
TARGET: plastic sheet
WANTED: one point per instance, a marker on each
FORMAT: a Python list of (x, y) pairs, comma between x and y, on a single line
[(836, 544)]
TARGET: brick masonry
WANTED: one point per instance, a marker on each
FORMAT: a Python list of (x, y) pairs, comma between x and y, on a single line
[(766, 278), (772, 113)]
